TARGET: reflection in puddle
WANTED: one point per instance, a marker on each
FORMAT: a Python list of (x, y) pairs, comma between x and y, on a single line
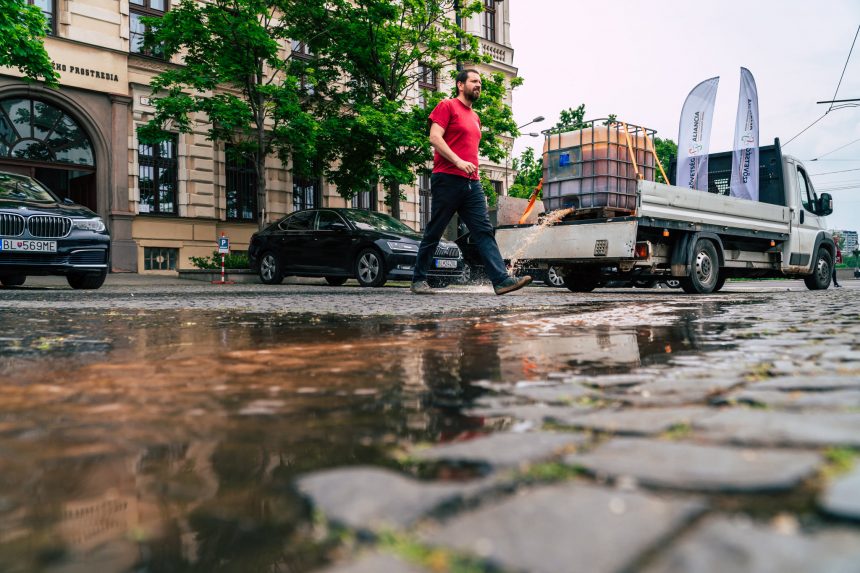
[(170, 440)]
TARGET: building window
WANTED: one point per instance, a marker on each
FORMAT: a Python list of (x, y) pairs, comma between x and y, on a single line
[(497, 187), (301, 50), (139, 9), (241, 188), (158, 172), (490, 20), (304, 194), (159, 259), (426, 82), (424, 200), (426, 78), (49, 10), (361, 200), (36, 130)]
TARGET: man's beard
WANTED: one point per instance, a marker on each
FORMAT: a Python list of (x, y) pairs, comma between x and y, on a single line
[(471, 95)]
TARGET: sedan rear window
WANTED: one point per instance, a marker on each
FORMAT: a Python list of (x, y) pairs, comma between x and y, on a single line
[(23, 188)]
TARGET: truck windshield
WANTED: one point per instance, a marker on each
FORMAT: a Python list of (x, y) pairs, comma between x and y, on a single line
[(23, 188)]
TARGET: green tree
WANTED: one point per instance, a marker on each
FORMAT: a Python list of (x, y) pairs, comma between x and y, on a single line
[(529, 170), (380, 47), (666, 149), (240, 79), (22, 30)]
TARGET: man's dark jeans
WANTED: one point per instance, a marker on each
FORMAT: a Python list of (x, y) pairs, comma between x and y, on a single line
[(452, 194)]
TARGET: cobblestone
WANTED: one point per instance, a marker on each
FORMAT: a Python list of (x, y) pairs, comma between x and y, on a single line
[(689, 466), (505, 449), (721, 544), (570, 527), (841, 496)]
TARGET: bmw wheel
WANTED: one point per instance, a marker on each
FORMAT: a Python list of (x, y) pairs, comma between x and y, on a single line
[(86, 281), (13, 280)]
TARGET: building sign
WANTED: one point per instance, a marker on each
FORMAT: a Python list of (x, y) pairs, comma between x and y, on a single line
[(86, 67)]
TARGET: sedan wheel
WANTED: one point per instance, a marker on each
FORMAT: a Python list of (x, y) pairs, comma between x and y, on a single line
[(271, 271), (370, 269)]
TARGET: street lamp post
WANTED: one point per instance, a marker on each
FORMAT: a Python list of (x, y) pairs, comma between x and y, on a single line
[(538, 119)]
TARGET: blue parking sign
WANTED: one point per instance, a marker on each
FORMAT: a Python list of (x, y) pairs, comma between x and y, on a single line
[(223, 245)]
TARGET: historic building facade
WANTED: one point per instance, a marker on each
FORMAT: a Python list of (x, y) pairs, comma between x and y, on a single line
[(164, 204)]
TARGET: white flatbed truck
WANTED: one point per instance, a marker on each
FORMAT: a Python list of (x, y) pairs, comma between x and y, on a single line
[(700, 238)]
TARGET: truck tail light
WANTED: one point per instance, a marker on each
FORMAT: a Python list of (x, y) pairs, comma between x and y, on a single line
[(643, 250)]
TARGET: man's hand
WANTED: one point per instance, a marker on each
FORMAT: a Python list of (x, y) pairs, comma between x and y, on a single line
[(466, 166)]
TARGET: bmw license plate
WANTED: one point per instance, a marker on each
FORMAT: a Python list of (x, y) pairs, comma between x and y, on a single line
[(446, 264), (28, 246)]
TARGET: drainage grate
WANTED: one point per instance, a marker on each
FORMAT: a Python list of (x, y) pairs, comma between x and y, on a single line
[(601, 247)]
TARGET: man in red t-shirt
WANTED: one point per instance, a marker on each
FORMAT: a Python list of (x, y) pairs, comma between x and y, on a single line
[(455, 187)]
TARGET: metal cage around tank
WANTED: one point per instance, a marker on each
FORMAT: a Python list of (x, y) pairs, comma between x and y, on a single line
[(596, 165)]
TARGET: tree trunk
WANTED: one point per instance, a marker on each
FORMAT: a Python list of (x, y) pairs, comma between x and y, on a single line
[(260, 168), (394, 194)]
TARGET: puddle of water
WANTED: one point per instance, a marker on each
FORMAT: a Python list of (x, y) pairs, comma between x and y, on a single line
[(169, 441)]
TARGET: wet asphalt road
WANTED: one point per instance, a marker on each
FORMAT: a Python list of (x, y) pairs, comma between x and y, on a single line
[(167, 425)]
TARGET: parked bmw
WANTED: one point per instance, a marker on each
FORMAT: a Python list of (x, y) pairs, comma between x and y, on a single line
[(41, 234), (340, 244)]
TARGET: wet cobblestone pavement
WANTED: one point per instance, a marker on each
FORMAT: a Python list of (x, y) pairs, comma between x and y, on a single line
[(168, 426)]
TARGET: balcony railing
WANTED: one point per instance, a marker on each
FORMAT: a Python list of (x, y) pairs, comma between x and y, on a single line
[(498, 52)]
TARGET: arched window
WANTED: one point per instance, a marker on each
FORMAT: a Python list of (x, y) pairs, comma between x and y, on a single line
[(37, 131)]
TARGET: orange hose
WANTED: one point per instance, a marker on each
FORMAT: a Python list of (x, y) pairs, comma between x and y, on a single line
[(531, 204)]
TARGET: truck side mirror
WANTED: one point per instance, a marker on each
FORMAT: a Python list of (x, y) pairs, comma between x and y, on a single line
[(825, 205)]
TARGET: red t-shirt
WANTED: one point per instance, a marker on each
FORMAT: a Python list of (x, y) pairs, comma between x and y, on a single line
[(462, 134)]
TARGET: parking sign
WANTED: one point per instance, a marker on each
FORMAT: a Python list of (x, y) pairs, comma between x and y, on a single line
[(223, 245)]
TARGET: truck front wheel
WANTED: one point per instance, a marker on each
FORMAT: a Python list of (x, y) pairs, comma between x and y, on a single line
[(704, 269), (821, 272)]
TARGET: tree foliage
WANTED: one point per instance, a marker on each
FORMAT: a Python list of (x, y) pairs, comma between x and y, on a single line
[(238, 76), (22, 31), (666, 150), (529, 170), (374, 134)]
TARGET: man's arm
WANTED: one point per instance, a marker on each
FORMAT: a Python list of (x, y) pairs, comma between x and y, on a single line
[(439, 144)]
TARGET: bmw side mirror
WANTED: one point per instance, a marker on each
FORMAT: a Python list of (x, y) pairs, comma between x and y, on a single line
[(825, 204), (338, 227), (67, 201)]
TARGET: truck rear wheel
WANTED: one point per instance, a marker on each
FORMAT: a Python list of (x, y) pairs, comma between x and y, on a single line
[(704, 269), (821, 272), (580, 283)]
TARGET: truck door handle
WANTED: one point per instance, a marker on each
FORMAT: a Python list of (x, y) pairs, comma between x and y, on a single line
[(801, 217)]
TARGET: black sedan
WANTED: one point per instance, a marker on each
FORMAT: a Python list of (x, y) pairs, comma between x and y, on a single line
[(41, 234), (339, 244)]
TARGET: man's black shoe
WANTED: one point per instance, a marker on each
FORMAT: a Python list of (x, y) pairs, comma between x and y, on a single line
[(511, 284)]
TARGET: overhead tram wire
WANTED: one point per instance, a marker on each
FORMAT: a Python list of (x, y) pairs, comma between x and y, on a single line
[(845, 67), (835, 150), (832, 172)]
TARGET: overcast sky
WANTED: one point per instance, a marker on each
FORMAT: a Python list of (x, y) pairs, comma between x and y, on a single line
[(639, 60)]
